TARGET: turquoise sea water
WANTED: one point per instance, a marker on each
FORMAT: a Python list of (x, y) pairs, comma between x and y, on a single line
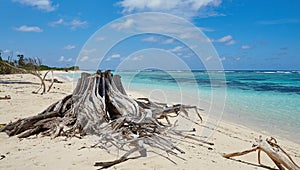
[(263, 100)]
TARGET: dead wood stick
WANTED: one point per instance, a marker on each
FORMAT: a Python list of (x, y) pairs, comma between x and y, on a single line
[(122, 159), (234, 154), (7, 97), (276, 154)]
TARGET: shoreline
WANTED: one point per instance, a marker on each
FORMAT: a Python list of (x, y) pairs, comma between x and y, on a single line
[(63, 154), (227, 115)]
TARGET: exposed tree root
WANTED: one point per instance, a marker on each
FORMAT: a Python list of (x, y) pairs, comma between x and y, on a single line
[(100, 106)]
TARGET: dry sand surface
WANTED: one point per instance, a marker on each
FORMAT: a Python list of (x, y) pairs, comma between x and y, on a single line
[(61, 153)]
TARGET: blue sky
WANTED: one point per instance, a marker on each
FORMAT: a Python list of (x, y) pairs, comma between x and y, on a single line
[(249, 34)]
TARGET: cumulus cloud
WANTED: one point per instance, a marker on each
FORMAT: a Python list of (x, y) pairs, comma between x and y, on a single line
[(99, 38), (137, 58), (25, 28), (58, 22), (73, 24), (184, 8), (63, 59), (113, 57), (150, 39), (176, 49), (88, 51), (227, 40), (244, 47), (208, 58), (134, 58), (168, 41), (222, 58), (44, 5), (224, 39), (69, 47), (78, 24), (164, 25), (206, 29), (123, 25), (6, 51), (231, 42), (160, 40), (84, 58)]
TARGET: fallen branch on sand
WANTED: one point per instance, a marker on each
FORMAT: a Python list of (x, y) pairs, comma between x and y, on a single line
[(100, 106), (273, 150), (6, 97), (33, 71)]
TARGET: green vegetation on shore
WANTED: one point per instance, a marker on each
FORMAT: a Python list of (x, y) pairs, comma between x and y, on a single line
[(22, 65)]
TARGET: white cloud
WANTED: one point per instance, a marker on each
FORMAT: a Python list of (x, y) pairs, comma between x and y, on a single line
[(227, 40), (208, 58), (223, 58), (159, 40), (224, 39), (63, 59), (194, 47), (168, 41), (231, 42), (137, 58), (183, 8), (244, 47), (73, 24), (206, 29), (84, 58), (237, 58), (69, 47), (44, 5), (150, 39), (25, 28), (58, 22), (164, 25), (78, 24), (134, 58), (19, 52), (179, 54), (186, 35), (113, 56), (176, 49), (88, 51), (123, 25), (99, 38), (187, 56), (6, 51)]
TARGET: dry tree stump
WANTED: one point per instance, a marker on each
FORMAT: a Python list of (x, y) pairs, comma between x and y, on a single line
[(100, 106)]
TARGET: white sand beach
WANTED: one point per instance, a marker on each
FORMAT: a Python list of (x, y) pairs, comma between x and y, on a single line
[(61, 153)]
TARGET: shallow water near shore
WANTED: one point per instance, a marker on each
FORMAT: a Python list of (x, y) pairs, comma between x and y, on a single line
[(267, 101)]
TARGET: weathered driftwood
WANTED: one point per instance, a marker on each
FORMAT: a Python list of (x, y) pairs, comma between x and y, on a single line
[(6, 97), (273, 150), (43, 87), (34, 71), (99, 106)]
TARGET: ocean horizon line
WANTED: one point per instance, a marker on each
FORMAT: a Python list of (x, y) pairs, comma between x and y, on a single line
[(199, 70)]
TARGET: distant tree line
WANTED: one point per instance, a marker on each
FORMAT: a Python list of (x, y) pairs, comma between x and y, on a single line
[(29, 64)]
